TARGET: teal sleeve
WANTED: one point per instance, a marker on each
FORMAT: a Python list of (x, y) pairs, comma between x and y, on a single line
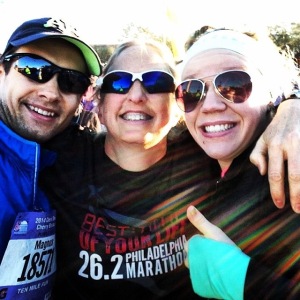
[(218, 270)]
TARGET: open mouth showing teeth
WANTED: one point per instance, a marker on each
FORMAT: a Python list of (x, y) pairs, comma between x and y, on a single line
[(41, 112), (218, 128), (135, 117)]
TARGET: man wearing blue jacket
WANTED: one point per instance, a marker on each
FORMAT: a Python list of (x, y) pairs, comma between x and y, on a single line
[(45, 69)]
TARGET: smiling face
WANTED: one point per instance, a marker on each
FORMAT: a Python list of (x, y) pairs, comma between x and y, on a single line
[(138, 117), (224, 129), (38, 111)]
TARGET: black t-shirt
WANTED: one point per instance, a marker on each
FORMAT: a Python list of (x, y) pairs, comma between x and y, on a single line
[(121, 234)]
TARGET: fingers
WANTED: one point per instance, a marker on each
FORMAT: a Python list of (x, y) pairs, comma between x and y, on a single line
[(259, 156), (285, 149), (293, 161), (205, 227), (269, 158), (279, 143), (287, 139), (276, 173), (276, 176)]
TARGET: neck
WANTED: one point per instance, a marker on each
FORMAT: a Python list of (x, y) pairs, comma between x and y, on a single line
[(134, 157)]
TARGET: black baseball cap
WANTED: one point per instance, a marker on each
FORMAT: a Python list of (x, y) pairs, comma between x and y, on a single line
[(45, 28)]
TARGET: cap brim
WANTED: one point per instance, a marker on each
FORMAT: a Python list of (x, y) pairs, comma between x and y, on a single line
[(90, 55)]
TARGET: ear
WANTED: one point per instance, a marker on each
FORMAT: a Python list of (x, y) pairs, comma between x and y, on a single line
[(2, 72), (100, 110), (2, 69)]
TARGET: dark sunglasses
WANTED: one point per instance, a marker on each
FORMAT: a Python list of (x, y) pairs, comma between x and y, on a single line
[(120, 82), (234, 86), (42, 70)]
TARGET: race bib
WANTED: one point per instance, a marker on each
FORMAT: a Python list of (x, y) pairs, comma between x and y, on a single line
[(29, 263)]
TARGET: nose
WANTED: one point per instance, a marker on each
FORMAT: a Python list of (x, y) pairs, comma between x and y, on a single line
[(212, 101), (136, 92), (50, 89)]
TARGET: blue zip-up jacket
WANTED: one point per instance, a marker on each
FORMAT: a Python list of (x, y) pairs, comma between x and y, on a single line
[(20, 162)]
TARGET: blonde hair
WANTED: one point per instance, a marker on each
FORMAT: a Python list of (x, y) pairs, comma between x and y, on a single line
[(163, 50)]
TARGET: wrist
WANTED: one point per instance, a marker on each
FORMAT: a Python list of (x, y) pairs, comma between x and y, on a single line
[(288, 94), (218, 270), (294, 94)]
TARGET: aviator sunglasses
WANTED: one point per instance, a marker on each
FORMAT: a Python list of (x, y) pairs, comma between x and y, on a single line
[(234, 86), (42, 70), (154, 81)]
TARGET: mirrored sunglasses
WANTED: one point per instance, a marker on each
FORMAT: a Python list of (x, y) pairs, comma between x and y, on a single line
[(42, 70), (234, 86), (154, 81)]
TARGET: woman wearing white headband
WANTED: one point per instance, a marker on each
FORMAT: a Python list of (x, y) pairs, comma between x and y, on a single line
[(230, 82)]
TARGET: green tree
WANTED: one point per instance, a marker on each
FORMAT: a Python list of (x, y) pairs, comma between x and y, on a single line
[(104, 52), (132, 31), (287, 38)]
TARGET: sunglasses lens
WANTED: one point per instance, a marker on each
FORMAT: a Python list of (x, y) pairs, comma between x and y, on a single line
[(117, 82), (188, 94), (41, 71), (153, 81), (235, 86), (36, 69), (72, 82), (158, 82)]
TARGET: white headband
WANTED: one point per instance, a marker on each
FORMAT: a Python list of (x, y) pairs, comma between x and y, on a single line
[(264, 54), (225, 39)]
